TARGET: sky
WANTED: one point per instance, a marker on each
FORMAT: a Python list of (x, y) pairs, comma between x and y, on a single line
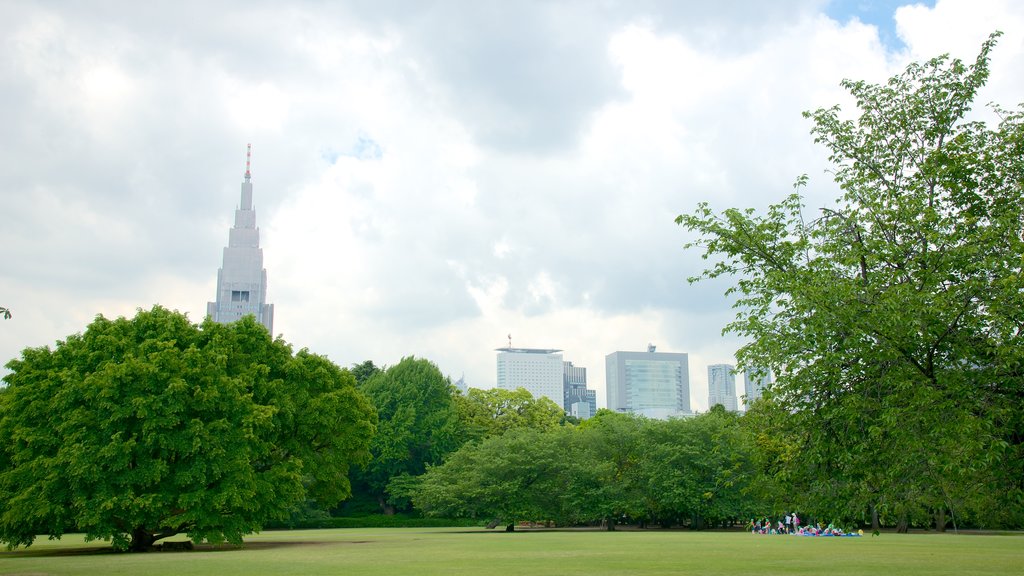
[(429, 177)]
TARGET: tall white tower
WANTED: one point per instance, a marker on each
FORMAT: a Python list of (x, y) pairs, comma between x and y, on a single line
[(242, 279), (722, 386)]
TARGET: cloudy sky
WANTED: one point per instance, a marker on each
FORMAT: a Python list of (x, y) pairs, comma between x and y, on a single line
[(429, 177)]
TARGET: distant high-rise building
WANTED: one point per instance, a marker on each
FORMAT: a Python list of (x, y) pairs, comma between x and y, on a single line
[(755, 380), (654, 384), (539, 371), (722, 387), (579, 401), (242, 279)]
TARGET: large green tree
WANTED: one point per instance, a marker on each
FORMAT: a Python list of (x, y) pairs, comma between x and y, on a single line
[(419, 424), (895, 318), (138, 429)]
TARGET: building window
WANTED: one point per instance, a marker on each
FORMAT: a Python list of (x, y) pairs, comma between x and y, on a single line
[(239, 295)]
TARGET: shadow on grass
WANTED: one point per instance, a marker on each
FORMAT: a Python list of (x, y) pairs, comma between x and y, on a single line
[(199, 549)]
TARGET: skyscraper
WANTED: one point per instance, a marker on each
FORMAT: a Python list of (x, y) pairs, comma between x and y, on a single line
[(755, 380), (654, 384), (242, 279), (722, 387), (539, 371), (579, 401)]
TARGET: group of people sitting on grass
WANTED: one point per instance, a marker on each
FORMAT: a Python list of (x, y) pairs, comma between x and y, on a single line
[(790, 524)]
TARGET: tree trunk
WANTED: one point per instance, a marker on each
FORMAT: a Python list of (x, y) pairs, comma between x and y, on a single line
[(940, 519), (874, 519), (510, 528), (142, 540), (386, 508), (903, 525)]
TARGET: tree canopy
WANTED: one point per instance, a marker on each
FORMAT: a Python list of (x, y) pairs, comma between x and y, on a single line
[(496, 411), (418, 423), (614, 467), (893, 319), (138, 429)]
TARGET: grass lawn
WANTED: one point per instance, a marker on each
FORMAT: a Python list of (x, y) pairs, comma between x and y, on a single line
[(475, 551)]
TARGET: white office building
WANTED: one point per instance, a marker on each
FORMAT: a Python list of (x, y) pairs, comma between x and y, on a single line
[(242, 279), (722, 387), (654, 384), (539, 371)]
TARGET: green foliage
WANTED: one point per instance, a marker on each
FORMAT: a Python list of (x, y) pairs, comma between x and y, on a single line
[(894, 319), (363, 371), (699, 469), (418, 423), (495, 411), (614, 467), (139, 429), (519, 475), (5, 313)]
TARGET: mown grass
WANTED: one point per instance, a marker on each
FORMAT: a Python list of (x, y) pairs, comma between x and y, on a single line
[(475, 552)]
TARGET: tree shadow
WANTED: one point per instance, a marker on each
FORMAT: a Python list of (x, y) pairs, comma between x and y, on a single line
[(198, 549)]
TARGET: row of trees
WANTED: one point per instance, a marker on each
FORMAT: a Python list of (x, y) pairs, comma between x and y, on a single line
[(611, 468)]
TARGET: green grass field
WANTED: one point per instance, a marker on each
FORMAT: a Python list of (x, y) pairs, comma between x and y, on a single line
[(473, 552)]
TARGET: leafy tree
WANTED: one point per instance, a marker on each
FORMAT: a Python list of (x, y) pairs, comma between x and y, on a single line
[(613, 443), (495, 411), (139, 429), (894, 319), (522, 475), (418, 423), (5, 312), (698, 469), (364, 371)]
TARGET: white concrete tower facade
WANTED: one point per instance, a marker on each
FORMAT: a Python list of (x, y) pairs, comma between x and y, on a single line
[(539, 371), (722, 387), (242, 279)]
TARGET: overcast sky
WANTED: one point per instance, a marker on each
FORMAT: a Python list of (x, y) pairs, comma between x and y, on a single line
[(429, 177)]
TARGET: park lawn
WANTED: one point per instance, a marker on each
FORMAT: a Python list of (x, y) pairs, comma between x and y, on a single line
[(475, 552)]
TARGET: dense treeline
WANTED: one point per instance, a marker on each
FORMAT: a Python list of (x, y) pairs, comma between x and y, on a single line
[(613, 468)]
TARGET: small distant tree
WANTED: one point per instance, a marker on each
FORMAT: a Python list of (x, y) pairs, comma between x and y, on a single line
[(363, 371), (142, 428), (5, 312)]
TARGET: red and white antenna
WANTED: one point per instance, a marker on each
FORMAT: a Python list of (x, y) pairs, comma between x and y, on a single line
[(248, 157)]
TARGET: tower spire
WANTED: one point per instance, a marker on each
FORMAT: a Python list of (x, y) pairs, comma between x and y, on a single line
[(248, 157)]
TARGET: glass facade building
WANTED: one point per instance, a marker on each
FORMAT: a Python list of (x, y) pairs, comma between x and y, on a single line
[(654, 384)]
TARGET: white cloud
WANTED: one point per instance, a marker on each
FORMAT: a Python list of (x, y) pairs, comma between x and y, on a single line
[(430, 179)]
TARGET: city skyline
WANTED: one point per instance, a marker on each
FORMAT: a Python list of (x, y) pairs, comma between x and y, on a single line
[(434, 176)]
